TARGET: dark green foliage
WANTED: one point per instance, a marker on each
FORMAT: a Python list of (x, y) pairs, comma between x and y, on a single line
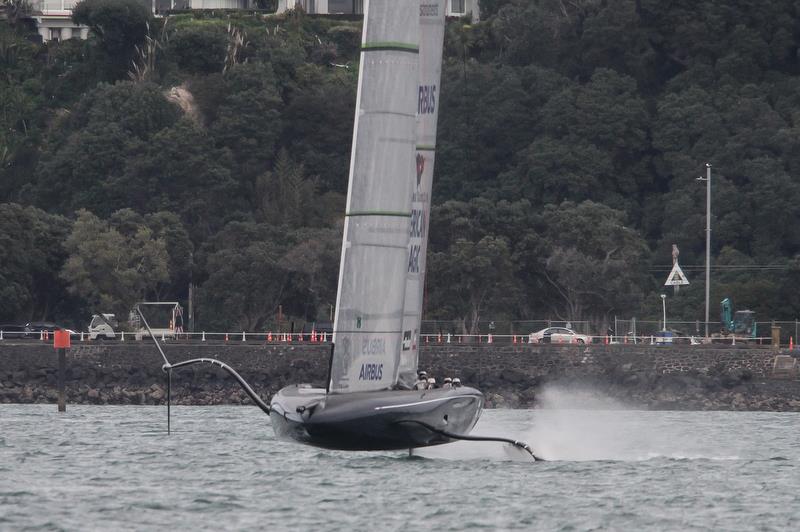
[(570, 137), (119, 25), (31, 255), (198, 49)]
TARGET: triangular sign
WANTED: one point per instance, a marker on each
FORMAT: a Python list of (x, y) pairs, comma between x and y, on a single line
[(676, 277)]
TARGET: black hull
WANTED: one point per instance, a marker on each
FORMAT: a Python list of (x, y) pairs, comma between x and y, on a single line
[(374, 421)]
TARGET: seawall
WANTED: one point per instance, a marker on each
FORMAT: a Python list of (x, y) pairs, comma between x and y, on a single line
[(652, 377)]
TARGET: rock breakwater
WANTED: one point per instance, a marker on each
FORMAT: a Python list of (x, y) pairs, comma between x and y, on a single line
[(646, 377)]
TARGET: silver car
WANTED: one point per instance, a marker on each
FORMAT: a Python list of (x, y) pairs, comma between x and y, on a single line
[(558, 335)]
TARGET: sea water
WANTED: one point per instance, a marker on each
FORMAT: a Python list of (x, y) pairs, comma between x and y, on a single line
[(115, 468)]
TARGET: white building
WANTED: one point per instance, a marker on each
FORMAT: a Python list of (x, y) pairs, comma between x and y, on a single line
[(54, 17), (54, 20), (455, 8)]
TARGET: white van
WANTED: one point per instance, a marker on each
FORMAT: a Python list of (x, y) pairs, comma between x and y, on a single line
[(102, 327)]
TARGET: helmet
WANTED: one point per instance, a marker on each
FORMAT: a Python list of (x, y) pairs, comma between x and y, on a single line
[(431, 381), (456, 381), (422, 374), (448, 379)]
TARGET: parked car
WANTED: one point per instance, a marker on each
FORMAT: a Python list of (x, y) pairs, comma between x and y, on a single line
[(558, 335), (12, 330), (35, 328)]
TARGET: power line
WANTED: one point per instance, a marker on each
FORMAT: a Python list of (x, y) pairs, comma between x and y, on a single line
[(727, 267)]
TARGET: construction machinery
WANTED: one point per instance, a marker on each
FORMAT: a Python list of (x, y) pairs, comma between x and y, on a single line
[(735, 326)]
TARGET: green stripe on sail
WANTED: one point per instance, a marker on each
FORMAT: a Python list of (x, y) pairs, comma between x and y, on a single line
[(397, 214), (389, 45), (426, 148)]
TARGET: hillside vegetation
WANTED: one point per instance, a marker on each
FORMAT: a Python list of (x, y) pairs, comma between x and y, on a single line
[(213, 149)]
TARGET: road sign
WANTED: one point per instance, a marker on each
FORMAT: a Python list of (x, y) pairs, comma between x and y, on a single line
[(676, 277)]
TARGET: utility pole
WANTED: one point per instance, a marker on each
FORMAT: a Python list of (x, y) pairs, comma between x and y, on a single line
[(707, 179)]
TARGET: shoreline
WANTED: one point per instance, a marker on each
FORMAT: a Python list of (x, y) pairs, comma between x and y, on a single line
[(641, 378)]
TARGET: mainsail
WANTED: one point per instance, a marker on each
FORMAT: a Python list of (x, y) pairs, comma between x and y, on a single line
[(431, 39), (372, 275)]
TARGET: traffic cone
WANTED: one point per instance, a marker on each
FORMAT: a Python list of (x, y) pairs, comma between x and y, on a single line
[(269, 336), (226, 337)]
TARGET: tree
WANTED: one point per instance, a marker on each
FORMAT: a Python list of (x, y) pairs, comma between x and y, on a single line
[(111, 129), (312, 263), (470, 279), (120, 26), (285, 196), (111, 270), (248, 118), (31, 251), (198, 49), (245, 280), (593, 262)]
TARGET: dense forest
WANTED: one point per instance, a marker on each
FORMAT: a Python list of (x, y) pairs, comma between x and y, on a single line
[(212, 149)]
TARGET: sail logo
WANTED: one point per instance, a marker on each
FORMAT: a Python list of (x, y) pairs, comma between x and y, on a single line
[(417, 223), (371, 372), (413, 259), (429, 10), (426, 103), (375, 346), (406, 340), (420, 167)]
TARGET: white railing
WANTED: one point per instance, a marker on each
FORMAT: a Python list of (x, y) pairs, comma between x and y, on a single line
[(314, 337)]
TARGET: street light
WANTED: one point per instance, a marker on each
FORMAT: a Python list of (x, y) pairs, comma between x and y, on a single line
[(664, 308), (707, 179)]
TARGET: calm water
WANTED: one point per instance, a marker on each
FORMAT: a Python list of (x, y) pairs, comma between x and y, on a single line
[(109, 468)]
